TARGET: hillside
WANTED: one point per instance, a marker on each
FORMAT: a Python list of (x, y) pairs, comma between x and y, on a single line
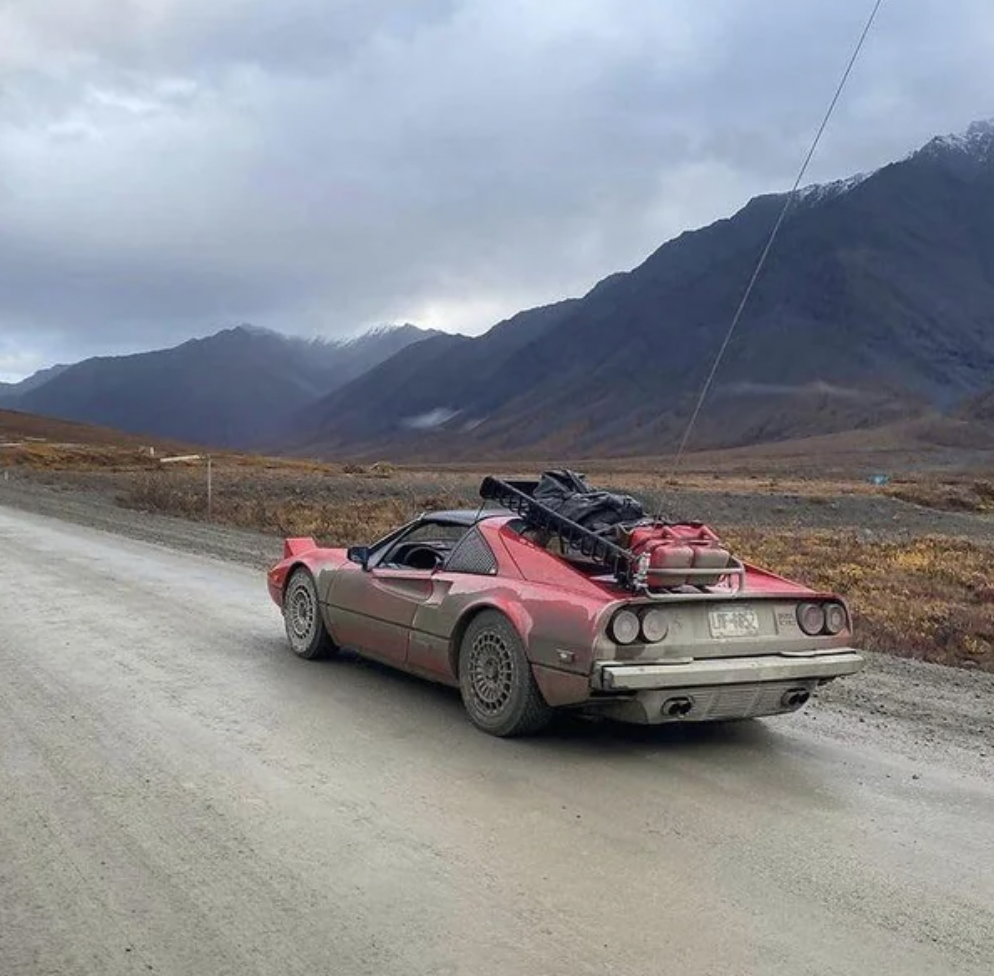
[(236, 388), (9, 392), (30, 441), (405, 390), (16, 426), (981, 408), (877, 304)]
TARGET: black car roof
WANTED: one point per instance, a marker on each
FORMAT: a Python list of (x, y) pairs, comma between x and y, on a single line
[(465, 516)]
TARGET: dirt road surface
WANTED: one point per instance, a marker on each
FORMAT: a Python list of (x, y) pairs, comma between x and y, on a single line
[(179, 795)]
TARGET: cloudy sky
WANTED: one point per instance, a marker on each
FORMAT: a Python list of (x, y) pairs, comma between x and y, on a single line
[(170, 167)]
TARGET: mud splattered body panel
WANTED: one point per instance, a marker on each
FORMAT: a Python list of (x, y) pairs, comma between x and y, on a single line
[(727, 652)]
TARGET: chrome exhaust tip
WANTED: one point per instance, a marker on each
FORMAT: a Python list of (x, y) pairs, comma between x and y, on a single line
[(795, 698), (677, 707)]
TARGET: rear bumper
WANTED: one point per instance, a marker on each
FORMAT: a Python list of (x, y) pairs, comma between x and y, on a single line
[(729, 671), (718, 690)]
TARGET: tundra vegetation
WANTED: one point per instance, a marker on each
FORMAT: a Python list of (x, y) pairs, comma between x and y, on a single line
[(914, 592)]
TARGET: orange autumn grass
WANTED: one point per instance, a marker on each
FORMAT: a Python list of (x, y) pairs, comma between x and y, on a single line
[(930, 598)]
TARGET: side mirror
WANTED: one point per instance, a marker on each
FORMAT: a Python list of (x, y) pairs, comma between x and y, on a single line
[(358, 554)]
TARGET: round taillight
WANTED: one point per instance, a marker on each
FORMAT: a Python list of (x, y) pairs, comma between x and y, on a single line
[(811, 618), (625, 627), (835, 618), (655, 626)]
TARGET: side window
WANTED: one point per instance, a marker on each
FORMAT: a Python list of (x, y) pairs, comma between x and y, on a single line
[(425, 547), (472, 555), (436, 533)]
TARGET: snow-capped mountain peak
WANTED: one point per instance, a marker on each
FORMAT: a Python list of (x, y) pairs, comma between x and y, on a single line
[(977, 142), (817, 192), (966, 150)]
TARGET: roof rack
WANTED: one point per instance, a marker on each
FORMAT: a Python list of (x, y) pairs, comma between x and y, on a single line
[(518, 497), (630, 570)]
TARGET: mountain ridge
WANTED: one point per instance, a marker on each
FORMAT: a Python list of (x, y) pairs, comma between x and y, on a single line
[(235, 388), (882, 287), (876, 305)]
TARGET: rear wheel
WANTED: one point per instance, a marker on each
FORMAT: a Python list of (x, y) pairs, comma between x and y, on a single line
[(496, 681), (305, 629)]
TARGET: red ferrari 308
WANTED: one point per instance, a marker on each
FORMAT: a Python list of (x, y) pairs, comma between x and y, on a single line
[(526, 613)]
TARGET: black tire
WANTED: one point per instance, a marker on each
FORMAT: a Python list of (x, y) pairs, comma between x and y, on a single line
[(305, 629), (496, 680)]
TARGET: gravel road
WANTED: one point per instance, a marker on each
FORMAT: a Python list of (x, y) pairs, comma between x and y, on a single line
[(179, 795), (98, 511)]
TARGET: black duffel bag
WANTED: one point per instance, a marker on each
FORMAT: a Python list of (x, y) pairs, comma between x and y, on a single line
[(568, 494)]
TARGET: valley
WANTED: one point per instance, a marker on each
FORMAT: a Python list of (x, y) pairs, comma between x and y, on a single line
[(286, 287), (912, 555), (872, 325)]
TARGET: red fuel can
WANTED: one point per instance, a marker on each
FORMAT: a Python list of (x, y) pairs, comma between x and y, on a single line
[(672, 548)]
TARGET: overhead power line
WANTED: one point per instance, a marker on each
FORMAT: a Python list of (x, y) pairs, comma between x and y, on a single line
[(706, 388)]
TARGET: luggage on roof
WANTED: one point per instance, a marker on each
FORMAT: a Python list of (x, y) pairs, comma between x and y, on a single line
[(568, 493), (613, 531)]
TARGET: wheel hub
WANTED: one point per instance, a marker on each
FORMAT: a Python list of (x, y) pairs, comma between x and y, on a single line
[(491, 672), (301, 613)]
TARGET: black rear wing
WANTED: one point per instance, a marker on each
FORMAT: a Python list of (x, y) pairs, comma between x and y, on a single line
[(518, 497)]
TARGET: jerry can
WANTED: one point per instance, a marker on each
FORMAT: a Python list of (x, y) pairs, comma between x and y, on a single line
[(679, 547)]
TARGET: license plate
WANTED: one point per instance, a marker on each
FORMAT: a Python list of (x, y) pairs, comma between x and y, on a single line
[(734, 622)]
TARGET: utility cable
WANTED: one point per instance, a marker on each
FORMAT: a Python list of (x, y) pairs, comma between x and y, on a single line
[(788, 202)]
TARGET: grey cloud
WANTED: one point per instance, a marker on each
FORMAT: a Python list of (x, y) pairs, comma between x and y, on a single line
[(168, 167)]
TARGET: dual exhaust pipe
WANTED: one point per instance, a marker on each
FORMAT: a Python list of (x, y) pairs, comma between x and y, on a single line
[(681, 707), (795, 698), (677, 707)]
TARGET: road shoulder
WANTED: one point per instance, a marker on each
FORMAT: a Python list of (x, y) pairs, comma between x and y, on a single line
[(920, 709)]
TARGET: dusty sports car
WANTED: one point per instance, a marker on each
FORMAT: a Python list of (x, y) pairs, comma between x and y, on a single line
[(527, 611)]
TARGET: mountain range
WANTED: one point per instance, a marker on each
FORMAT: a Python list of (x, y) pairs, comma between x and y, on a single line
[(10, 391), (876, 304), (981, 408), (238, 388)]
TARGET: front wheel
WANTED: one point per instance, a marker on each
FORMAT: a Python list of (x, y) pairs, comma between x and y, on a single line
[(496, 681), (305, 629)]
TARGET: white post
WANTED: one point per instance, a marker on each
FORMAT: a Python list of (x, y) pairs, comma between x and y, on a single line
[(180, 458)]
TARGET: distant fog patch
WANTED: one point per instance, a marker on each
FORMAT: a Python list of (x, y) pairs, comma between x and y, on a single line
[(431, 419), (818, 388)]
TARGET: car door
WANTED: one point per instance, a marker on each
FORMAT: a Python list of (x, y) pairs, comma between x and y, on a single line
[(373, 610)]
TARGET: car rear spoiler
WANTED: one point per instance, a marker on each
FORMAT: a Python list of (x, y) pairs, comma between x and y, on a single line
[(298, 545)]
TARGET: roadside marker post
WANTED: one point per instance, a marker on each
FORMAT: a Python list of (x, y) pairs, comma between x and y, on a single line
[(181, 458)]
